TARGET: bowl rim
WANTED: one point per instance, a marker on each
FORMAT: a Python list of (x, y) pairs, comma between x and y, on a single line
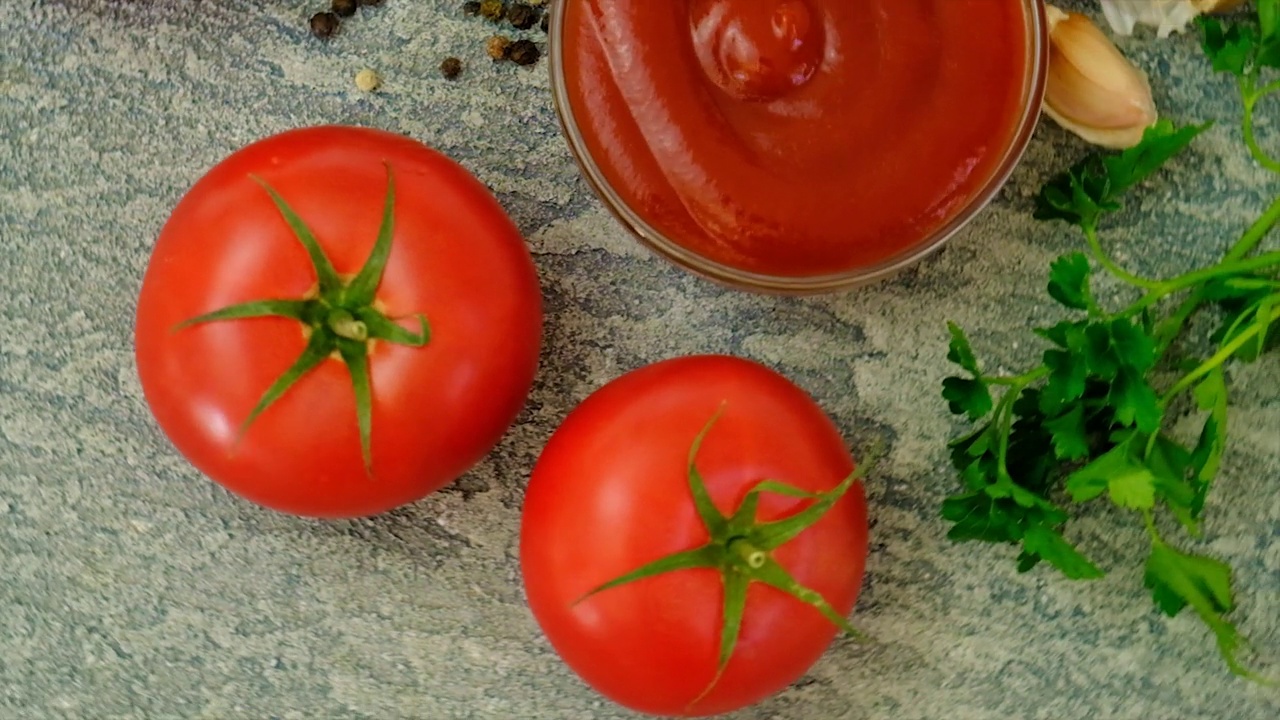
[(677, 254)]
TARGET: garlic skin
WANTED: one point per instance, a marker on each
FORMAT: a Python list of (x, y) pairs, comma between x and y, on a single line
[(1166, 16), (1092, 90)]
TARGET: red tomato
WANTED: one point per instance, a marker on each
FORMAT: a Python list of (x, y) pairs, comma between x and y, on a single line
[(610, 493), (455, 258)]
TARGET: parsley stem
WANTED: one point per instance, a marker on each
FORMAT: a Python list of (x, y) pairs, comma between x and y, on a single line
[(1242, 247), (1197, 277), (1005, 415), (1250, 314), (1172, 325), (1251, 140), (1091, 236), (1224, 352), (1152, 439), (1016, 380), (1256, 232), (1150, 522), (1265, 261)]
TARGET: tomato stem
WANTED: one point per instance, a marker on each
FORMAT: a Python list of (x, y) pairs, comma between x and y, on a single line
[(753, 556), (345, 325)]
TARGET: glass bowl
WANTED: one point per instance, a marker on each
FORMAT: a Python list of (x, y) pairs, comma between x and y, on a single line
[(642, 229)]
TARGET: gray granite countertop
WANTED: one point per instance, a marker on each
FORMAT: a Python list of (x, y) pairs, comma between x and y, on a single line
[(135, 588)]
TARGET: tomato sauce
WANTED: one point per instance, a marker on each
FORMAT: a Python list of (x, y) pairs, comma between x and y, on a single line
[(796, 137)]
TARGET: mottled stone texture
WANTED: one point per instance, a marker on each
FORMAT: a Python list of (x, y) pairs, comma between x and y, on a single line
[(134, 588)]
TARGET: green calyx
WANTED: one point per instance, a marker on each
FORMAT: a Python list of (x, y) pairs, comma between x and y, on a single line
[(340, 318), (740, 549)]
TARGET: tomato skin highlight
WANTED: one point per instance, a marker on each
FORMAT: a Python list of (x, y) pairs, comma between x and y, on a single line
[(456, 257), (609, 494)]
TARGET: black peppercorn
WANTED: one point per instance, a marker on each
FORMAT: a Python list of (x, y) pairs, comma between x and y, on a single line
[(522, 16), (523, 52), (471, 8), (451, 67), (324, 25), (343, 8)]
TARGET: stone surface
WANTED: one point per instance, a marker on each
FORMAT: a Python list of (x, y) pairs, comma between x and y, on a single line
[(135, 588)]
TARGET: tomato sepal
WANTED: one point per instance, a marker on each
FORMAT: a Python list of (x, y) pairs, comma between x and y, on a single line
[(339, 318), (326, 275), (292, 309), (360, 291), (381, 327), (318, 348), (707, 556)]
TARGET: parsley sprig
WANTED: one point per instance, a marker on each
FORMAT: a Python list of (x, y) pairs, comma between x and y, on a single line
[(1090, 420), (1247, 50)]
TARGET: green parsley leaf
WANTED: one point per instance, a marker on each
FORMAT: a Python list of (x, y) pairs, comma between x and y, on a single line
[(1230, 48), (1069, 281), (960, 351), (1132, 347), (1178, 580), (1027, 561), (1056, 201), (1269, 54), (1210, 395), (978, 474), (1100, 354), (1070, 437), (1159, 144), (1066, 335), (1066, 381), (967, 448), (1092, 187), (1206, 458), (1135, 403), (1005, 487), (1241, 47), (967, 396), (1130, 482), (1048, 544), (1077, 196), (1135, 490), (1170, 462), (1029, 460), (978, 516)]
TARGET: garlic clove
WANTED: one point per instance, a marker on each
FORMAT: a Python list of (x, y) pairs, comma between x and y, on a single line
[(1092, 90)]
